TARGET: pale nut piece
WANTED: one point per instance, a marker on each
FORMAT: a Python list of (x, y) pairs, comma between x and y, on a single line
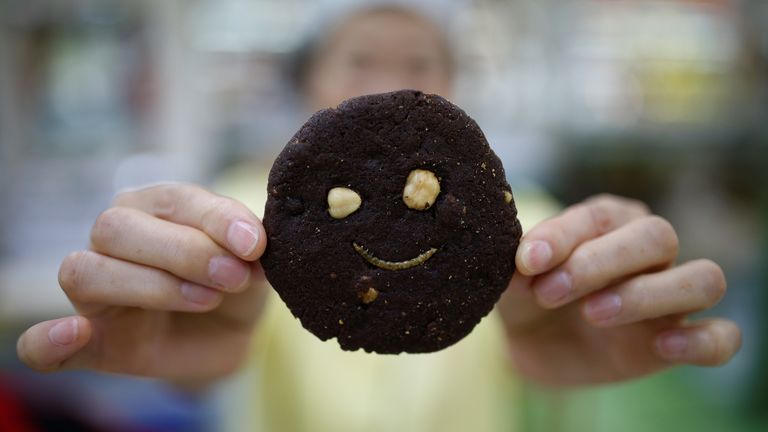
[(507, 197), (421, 189), (342, 202), (369, 296)]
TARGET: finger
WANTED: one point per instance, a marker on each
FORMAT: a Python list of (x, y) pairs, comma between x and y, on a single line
[(707, 343), (552, 241), (243, 309), (89, 278), (48, 345), (188, 253), (640, 245), (691, 287), (228, 222), (517, 305)]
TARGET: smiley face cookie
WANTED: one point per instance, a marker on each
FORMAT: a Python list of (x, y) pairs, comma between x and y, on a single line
[(391, 226)]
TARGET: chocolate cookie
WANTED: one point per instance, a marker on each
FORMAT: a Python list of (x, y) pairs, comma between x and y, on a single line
[(390, 224)]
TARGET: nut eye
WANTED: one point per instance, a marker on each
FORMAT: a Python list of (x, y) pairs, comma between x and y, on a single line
[(342, 202), (421, 189)]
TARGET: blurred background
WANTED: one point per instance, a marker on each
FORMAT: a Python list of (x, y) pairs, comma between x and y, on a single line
[(662, 100)]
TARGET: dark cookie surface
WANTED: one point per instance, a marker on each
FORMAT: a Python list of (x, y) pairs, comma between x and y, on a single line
[(325, 268)]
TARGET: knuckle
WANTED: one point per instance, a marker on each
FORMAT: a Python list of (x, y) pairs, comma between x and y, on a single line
[(629, 207), (105, 227), (552, 231), (714, 283), (70, 271), (612, 201), (638, 297), (578, 259), (593, 211), (600, 215), (639, 207), (633, 206), (123, 199), (608, 209), (187, 254), (603, 198), (165, 199), (76, 276), (161, 200), (583, 263), (662, 234)]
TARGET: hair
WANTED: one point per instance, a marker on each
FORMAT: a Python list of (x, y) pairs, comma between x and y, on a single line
[(303, 59)]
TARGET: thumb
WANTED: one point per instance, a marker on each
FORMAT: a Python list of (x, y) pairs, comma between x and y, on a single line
[(46, 346), (518, 306)]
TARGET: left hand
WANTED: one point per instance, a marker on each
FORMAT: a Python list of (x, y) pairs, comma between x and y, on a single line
[(597, 298)]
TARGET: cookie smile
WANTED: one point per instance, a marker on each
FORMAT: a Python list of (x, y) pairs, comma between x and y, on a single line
[(393, 265)]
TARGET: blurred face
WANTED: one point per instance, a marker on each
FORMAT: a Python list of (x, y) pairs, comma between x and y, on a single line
[(379, 52)]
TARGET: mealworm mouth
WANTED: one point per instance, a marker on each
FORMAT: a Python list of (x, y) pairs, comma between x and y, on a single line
[(393, 265)]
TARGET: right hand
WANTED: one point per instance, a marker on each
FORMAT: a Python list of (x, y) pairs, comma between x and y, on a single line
[(170, 288)]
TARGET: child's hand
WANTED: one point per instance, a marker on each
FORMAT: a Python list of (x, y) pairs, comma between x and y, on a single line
[(171, 287), (598, 297)]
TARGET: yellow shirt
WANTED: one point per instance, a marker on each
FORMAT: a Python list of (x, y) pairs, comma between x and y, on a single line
[(300, 383)]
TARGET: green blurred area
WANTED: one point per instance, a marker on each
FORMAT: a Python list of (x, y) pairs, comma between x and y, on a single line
[(665, 402)]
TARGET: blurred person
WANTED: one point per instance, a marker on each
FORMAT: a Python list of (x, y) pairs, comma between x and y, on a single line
[(171, 288)]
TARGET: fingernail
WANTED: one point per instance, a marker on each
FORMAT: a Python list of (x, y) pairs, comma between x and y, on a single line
[(536, 256), (554, 288), (63, 333), (228, 273), (198, 294), (672, 345), (243, 238), (603, 307)]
